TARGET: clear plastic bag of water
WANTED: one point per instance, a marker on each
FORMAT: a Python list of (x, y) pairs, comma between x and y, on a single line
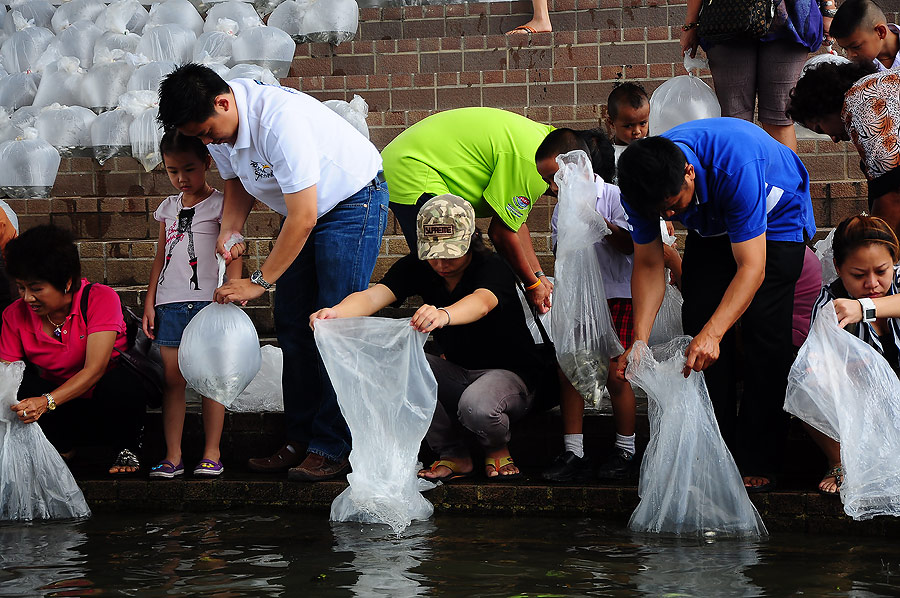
[(73, 11), (18, 90), (61, 83), (38, 13), (147, 77), (107, 80), (78, 40), (21, 51), (110, 135), (388, 414), (179, 12), (35, 482), (355, 112), (214, 46), (268, 47), (690, 484), (122, 17), (67, 128), (825, 253), (582, 329), (682, 99), (28, 166), (667, 324), (241, 13), (170, 42), (264, 393), (251, 71), (219, 353), (331, 21), (144, 130), (845, 389)]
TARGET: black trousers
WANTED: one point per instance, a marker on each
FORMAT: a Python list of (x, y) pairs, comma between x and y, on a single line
[(755, 433), (112, 415), (407, 218)]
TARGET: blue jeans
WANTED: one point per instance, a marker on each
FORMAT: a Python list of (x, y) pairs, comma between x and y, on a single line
[(337, 260)]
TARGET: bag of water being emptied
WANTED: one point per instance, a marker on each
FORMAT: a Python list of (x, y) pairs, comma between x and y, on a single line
[(387, 394), (682, 99), (845, 389), (35, 482), (219, 353), (689, 482), (581, 327), (28, 166)]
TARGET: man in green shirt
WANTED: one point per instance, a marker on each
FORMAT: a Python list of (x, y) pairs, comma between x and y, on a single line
[(485, 156)]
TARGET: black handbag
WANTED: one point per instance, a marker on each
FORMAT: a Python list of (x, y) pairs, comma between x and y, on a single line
[(141, 357), (722, 20)]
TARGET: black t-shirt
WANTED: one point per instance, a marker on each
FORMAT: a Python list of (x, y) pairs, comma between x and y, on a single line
[(499, 340)]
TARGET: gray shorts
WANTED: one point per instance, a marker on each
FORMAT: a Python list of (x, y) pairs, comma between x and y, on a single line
[(743, 70)]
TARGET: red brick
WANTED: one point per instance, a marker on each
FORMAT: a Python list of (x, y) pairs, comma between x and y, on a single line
[(575, 55), (458, 97), (448, 78), (470, 78), (623, 54), (396, 63), (664, 52), (539, 76), (331, 83), (353, 65), (423, 28), (401, 80), (394, 118), (661, 71), (467, 26), (411, 99), (413, 12), (634, 34), (608, 36), (72, 185), (379, 81), (363, 47), (390, 13), (455, 10), (307, 83), (407, 45), (357, 82), (507, 96), (551, 94), (474, 42), (423, 80), (531, 58), (474, 8), (561, 38), (385, 46), (593, 93), (451, 43), (484, 60), (565, 4), (516, 76), (658, 33), (498, 8), (378, 100), (434, 11), (304, 67), (430, 44)]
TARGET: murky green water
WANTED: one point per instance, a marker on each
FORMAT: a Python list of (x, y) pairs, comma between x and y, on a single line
[(239, 553)]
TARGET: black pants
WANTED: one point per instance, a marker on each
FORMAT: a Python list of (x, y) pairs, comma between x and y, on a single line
[(406, 217), (112, 415), (754, 434)]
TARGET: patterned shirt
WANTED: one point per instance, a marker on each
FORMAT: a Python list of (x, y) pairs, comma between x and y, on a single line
[(871, 116)]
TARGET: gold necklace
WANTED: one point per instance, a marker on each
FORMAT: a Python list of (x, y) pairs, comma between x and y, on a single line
[(57, 328)]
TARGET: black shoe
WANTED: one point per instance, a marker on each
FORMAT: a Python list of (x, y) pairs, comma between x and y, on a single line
[(621, 466), (568, 468)]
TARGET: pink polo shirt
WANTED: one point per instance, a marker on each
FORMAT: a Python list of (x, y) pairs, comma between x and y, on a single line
[(23, 339)]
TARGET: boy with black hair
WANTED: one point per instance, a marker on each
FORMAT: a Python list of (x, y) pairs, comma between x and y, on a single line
[(862, 30), (744, 199), (289, 151), (629, 113)]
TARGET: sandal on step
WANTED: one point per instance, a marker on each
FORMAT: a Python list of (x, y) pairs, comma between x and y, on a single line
[(836, 472), (207, 468), (453, 466), (498, 464), (166, 470), (125, 458)]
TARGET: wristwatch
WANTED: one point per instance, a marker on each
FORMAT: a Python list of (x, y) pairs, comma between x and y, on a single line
[(689, 26), (257, 278), (868, 309), (51, 404)]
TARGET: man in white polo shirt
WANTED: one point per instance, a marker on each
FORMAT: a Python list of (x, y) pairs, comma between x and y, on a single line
[(292, 153)]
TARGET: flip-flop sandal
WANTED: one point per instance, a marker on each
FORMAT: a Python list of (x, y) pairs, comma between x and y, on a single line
[(498, 464), (836, 472), (767, 487), (166, 470), (126, 458), (207, 468), (454, 474), (522, 28)]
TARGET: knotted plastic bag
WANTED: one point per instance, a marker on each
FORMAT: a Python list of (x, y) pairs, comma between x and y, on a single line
[(241, 14), (167, 43), (355, 112), (682, 99), (667, 324), (108, 79), (582, 329), (67, 128), (78, 40), (251, 71), (689, 482), (21, 51), (268, 47), (110, 135), (147, 76), (219, 353), (123, 17), (73, 11), (180, 12), (265, 392), (28, 166), (35, 482), (37, 13), (845, 389), (331, 21), (825, 253), (214, 46), (61, 83), (387, 394), (144, 130), (18, 90)]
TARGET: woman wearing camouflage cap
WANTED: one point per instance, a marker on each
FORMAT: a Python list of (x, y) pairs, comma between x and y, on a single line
[(491, 373)]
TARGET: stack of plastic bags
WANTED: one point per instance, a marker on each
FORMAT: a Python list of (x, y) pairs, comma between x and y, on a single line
[(689, 482), (581, 327), (845, 389), (668, 320), (355, 112), (682, 99), (388, 416), (332, 21), (28, 166), (219, 353), (35, 482)]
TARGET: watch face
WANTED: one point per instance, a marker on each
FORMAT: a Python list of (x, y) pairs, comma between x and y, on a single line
[(870, 314)]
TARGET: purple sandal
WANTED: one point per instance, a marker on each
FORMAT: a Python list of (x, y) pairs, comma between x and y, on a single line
[(208, 469), (167, 470)]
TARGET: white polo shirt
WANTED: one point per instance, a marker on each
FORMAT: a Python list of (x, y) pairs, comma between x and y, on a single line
[(288, 141), (878, 64)]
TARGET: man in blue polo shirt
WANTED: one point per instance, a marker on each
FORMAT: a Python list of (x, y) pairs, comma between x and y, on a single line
[(744, 199)]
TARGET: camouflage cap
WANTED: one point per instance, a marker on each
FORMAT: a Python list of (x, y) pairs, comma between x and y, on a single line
[(445, 226)]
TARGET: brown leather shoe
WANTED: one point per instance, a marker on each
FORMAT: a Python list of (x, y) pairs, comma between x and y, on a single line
[(284, 458), (316, 468)]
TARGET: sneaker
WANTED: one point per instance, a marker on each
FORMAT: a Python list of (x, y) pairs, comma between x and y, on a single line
[(316, 468), (621, 466), (568, 468)]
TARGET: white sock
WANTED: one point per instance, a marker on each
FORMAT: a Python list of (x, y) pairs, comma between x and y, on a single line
[(626, 443), (574, 443)]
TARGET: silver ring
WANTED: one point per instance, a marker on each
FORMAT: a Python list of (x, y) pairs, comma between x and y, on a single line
[(25, 414)]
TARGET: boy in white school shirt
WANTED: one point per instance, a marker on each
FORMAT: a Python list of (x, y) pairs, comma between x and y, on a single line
[(292, 153)]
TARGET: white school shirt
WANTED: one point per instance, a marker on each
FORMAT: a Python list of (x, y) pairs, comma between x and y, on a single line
[(288, 141), (615, 267), (190, 270), (896, 64)]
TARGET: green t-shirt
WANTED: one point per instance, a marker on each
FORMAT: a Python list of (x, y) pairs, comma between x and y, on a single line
[(484, 155)]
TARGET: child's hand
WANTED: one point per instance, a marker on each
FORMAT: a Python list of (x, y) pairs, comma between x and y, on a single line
[(236, 251), (148, 323), (326, 313)]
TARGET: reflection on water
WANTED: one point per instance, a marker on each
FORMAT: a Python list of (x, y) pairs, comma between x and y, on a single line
[(238, 553)]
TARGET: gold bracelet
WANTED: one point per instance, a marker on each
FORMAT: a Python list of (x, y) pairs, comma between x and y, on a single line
[(535, 285)]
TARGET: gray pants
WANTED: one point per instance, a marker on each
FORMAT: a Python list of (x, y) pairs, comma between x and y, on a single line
[(485, 403)]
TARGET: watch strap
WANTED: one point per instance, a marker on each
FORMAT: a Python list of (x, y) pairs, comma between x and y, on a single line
[(868, 309)]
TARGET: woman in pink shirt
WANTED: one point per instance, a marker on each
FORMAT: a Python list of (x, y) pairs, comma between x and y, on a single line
[(72, 387)]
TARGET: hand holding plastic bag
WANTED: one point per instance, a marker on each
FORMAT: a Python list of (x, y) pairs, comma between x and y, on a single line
[(689, 482), (219, 353), (682, 99), (845, 389), (35, 482), (581, 327), (387, 394)]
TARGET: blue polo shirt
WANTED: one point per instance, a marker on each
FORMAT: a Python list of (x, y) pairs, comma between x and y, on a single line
[(746, 184)]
